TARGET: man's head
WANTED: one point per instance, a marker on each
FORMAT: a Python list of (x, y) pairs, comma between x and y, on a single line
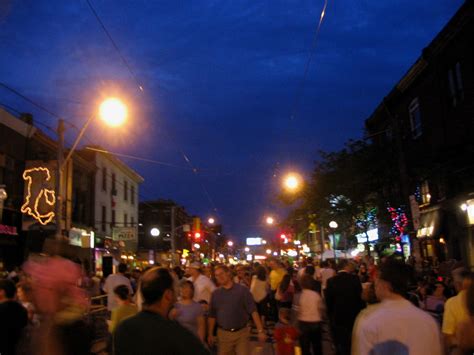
[(223, 275), (157, 289), (194, 269), (122, 268), (392, 279), (459, 276), (122, 293), (7, 290)]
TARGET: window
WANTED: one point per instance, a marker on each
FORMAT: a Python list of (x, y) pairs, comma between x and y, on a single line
[(125, 190), (415, 118), (456, 91), (132, 221), (114, 190), (125, 219), (104, 217), (113, 219), (104, 178), (132, 194)]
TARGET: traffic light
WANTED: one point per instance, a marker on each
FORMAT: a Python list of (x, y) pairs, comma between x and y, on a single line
[(197, 235)]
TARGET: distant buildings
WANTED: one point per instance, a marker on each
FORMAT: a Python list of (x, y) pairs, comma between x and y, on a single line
[(427, 120)]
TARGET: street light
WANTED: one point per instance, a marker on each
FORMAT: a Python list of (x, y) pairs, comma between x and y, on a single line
[(270, 220), (230, 243), (268, 251), (292, 182), (211, 220), (333, 225), (247, 249), (113, 112), (155, 232)]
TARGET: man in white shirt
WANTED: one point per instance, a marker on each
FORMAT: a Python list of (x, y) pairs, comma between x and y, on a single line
[(112, 282), (326, 272), (395, 326), (203, 286)]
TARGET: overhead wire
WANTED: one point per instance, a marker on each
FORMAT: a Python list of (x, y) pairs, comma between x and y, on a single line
[(300, 90), (114, 44)]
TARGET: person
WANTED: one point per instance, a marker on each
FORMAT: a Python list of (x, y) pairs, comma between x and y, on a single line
[(230, 308), (125, 308), (465, 330), (151, 331), (241, 277), (24, 293), (434, 302), (302, 270), (363, 273), (285, 334), (343, 297), (327, 271), (309, 315), (13, 318), (285, 292), (455, 310), (112, 282), (259, 291), (395, 325), (188, 313), (203, 286), (276, 275)]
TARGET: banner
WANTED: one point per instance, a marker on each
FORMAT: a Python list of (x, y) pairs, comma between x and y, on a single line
[(125, 234)]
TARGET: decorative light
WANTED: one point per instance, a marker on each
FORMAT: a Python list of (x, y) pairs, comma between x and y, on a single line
[(264, 241), (197, 246), (442, 241), (247, 249), (155, 232), (297, 242), (268, 251), (221, 256), (464, 207), (48, 195), (130, 257), (230, 243), (275, 253)]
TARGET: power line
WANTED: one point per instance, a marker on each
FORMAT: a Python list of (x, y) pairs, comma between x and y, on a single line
[(114, 44), (299, 91)]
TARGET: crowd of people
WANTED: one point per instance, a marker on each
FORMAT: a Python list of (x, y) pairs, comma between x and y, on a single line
[(386, 307)]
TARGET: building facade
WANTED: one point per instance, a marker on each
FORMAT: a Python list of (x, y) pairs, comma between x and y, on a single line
[(426, 125)]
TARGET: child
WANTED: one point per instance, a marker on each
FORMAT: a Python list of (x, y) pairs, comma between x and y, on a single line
[(285, 334)]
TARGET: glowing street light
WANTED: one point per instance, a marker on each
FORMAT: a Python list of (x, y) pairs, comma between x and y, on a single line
[(247, 249), (113, 112), (197, 246), (333, 224), (270, 220), (230, 243), (268, 251), (155, 232), (292, 182), (211, 220)]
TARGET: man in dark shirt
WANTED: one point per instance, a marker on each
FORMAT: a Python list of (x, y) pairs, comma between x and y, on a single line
[(231, 306), (150, 331), (13, 318), (343, 296)]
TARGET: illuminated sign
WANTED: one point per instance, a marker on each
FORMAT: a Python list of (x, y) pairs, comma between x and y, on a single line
[(39, 200), (124, 234), (254, 241), (372, 233), (8, 230)]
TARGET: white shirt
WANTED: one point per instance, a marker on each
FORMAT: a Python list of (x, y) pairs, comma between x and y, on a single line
[(258, 289), (203, 287), (111, 282), (309, 306), (326, 274), (395, 327)]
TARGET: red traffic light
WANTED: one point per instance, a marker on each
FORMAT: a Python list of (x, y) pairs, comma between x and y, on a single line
[(197, 235)]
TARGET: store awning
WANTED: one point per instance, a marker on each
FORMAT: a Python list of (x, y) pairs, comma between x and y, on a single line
[(430, 223)]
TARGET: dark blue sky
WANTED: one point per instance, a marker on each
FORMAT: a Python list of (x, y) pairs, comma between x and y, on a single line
[(219, 80)]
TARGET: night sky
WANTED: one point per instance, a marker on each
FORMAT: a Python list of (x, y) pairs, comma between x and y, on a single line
[(220, 80)]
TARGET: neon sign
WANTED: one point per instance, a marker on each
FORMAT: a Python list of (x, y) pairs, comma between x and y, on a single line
[(31, 205)]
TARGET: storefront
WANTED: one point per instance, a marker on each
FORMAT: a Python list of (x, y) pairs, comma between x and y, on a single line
[(9, 247)]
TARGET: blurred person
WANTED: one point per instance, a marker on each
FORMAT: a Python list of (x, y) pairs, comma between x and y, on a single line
[(188, 313), (259, 290), (435, 300), (455, 309), (363, 273), (343, 297), (285, 292), (395, 325), (13, 318), (465, 329), (327, 271), (114, 280), (25, 296), (203, 286), (309, 315), (285, 334), (230, 309), (124, 309), (302, 268), (276, 276), (151, 331), (240, 277)]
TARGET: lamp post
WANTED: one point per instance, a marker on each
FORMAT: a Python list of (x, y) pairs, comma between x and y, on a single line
[(114, 113), (333, 225)]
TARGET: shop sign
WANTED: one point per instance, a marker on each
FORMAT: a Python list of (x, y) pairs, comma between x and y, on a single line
[(8, 230), (254, 241), (373, 235), (124, 234), (425, 232)]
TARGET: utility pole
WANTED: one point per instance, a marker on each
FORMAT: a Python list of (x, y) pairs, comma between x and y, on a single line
[(173, 234), (59, 180)]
